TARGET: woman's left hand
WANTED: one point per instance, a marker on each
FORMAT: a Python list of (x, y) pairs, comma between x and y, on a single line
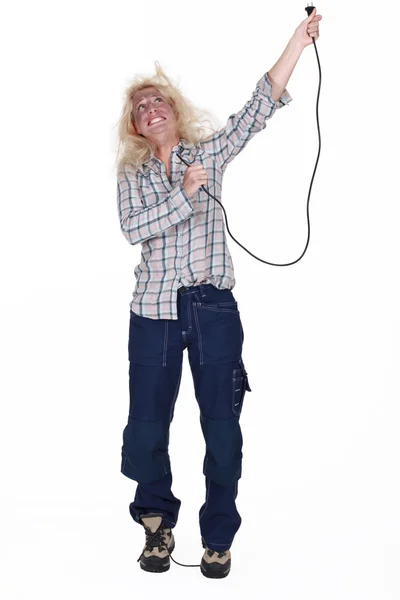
[(308, 29)]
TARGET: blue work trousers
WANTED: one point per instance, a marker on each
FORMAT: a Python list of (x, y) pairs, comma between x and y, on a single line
[(209, 326)]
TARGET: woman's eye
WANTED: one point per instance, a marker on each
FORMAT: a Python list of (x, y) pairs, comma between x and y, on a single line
[(140, 105)]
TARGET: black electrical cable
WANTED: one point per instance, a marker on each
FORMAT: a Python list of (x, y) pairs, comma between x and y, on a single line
[(309, 192)]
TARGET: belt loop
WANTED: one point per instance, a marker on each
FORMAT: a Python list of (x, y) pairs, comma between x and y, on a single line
[(202, 290)]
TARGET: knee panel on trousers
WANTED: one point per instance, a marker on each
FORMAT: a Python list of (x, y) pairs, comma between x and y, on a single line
[(145, 450), (223, 459)]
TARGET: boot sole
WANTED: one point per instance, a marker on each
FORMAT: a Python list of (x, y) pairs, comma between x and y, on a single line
[(215, 570), (153, 564)]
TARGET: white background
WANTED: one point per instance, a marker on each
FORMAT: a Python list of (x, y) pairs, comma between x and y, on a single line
[(320, 492)]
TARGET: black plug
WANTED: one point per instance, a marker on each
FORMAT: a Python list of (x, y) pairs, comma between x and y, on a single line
[(309, 9)]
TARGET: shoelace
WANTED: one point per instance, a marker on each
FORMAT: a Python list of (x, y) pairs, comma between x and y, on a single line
[(155, 540), (211, 552)]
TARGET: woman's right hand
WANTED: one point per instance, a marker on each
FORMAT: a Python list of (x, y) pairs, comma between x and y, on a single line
[(194, 177)]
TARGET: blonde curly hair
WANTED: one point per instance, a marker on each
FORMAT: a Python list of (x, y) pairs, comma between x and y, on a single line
[(193, 124)]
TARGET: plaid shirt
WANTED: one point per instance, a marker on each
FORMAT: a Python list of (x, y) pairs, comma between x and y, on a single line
[(183, 240)]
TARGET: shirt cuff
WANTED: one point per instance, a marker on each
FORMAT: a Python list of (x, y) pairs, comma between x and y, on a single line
[(187, 207), (196, 208), (265, 87)]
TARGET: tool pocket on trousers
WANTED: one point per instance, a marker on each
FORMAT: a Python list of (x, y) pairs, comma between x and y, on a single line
[(240, 383), (226, 307), (218, 301)]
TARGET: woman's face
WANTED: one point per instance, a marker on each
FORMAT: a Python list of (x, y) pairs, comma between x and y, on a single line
[(152, 114)]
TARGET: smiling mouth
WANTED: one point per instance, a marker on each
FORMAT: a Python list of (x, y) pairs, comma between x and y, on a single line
[(155, 123)]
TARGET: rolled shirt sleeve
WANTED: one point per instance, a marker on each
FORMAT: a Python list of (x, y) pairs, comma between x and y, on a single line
[(242, 126)]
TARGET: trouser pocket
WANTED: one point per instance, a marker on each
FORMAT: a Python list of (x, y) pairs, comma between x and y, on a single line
[(223, 459), (145, 456), (240, 383)]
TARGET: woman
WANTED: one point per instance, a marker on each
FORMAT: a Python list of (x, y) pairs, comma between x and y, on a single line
[(183, 299)]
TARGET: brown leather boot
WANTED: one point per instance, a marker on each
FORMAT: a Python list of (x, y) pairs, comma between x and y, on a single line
[(159, 544)]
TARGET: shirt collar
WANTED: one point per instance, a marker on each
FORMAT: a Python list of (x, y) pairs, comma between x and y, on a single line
[(184, 148)]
